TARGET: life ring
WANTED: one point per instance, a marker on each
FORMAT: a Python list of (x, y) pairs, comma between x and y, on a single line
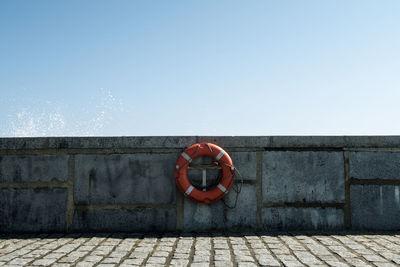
[(198, 150)]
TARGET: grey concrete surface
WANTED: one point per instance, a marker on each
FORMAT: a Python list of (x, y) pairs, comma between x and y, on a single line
[(12, 143), (237, 141), (375, 207), (306, 176), (223, 215), (283, 218), (66, 184), (20, 143), (122, 142), (33, 210), (31, 168), (251, 249), (372, 141), (125, 179), (246, 162), (116, 220), (307, 141), (375, 165)]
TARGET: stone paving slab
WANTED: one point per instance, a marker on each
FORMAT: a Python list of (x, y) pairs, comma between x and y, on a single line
[(208, 249)]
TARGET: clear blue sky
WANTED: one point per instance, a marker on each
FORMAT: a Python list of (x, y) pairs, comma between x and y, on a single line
[(199, 67)]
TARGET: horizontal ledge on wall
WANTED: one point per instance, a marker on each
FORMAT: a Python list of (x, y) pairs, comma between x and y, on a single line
[(372, 149), (305, 149), (355, 181), (33, 185), (238, 181), (106, 151), (335, 149), (304, 205), (62, 151), (124, 207), (181, 142)]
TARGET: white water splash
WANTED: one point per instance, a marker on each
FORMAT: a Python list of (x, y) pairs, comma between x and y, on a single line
[(54, 119), (27, 123)]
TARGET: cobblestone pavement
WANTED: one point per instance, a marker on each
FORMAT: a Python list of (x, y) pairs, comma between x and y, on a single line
[(289, 249)]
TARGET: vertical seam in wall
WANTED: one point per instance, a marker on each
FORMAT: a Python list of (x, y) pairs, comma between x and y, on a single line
[(179, 210), (47, 143), (70, 198), (347, 211), (259, 189)]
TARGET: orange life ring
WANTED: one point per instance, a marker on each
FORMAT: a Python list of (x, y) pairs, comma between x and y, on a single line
[(198, 150)]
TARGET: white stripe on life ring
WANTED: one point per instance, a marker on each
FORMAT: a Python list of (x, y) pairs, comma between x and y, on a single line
[(220, 155), (186, 156), (222, 188), (189, 190)]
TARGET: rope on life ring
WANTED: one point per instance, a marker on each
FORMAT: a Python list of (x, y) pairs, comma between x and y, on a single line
[(224, 161)]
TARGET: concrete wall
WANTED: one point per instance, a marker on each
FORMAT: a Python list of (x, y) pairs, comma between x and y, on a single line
[(126, 184)]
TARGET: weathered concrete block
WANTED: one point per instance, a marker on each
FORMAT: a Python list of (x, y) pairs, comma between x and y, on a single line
[(372, 141), (217, 216), (33, 168), (375, 207), (374, 165), (125, 179), (307, 141), (236, 141), (305, 176), (302, 218), (203, 217), (246, 162), (33, 210), (159, 141), (122, 142), (185, 141), (85, 142), (23, 143), (244, 215), (136, 220)]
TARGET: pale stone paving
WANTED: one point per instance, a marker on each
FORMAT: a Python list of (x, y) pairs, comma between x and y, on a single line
[(200, 250)]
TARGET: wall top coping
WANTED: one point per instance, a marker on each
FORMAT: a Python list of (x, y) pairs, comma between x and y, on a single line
[(181, 142)]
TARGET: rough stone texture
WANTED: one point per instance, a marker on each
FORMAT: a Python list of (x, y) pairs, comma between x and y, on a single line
[(122, 142), (285, 249), (184, 141), (203, 217), (307, 141), (33, 168), (375, 207), (33, 210), (372, 141), (179, 142), (236, 141), (23, 143), (136, 220), (140, 178), (286, 218), (243, 216), (375, 165), (305, 176), (217, 216), (246, 163)]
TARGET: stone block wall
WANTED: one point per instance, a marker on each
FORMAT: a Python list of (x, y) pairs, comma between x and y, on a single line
[(89, 184)]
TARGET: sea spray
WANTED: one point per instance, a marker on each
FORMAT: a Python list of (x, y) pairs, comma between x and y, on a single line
[(47, 118)]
